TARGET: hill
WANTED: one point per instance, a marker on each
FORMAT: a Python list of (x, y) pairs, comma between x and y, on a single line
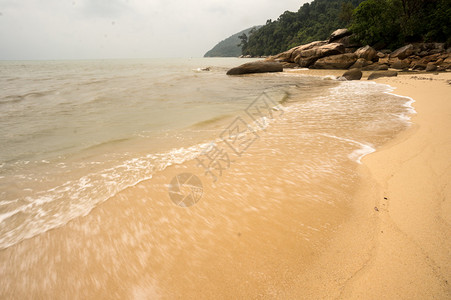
[(229, 47)]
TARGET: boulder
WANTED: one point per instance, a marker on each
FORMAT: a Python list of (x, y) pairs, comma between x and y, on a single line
[(256, 67), (430, 67), (309, 56), (289, 55), (360, 63), (339, 61), (345, 41), (400, 64), (418, 66), (376, 75), (338, 34), (305, 47), (352, 74), (366, 52), (381, 55), (403, 52)]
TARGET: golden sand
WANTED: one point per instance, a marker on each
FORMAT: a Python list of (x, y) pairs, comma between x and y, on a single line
[(391, 241)]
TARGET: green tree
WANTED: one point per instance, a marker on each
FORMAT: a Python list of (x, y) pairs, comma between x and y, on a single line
[(376, 22), (243, 42)]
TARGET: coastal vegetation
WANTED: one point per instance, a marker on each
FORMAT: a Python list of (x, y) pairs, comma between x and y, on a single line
[(379, 23)]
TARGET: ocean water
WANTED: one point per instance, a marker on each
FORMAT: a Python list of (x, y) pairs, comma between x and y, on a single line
[(75, 133)]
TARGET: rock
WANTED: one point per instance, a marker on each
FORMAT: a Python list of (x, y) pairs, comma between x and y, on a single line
[(345, 41), (418, 66), (289, 65), (256, 67), (429, 58), (366, 52), (384, 60), (352, 74), (339, 61), (430, 67), (400, 64), (360, 63), (403, 52), (375, 67), (381, 55), (305, 47), (338, 34), (290, 55), (376, 75), (309, 56)]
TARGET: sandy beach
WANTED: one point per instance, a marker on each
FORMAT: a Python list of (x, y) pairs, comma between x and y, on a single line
[(390, 240), (397, 244)]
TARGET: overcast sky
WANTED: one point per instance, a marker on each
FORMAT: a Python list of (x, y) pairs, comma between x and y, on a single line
[(90, 29)]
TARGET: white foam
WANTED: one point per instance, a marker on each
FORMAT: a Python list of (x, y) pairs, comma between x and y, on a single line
[(358, 154)]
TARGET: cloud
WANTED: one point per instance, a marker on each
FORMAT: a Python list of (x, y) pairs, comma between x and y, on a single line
[(85, 29)]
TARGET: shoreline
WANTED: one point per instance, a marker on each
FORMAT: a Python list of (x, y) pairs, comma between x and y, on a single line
[(121, 243), (396, 244)]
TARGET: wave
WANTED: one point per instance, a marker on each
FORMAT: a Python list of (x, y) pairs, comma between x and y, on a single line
[(75, 198)]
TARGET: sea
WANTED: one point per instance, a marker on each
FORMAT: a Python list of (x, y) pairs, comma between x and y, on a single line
[(74, 134)]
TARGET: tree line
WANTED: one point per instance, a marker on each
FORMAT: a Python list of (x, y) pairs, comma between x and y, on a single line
[(379, 23)]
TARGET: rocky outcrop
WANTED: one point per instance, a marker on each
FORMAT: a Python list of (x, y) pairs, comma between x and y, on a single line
[(376, 75), (352, 74), (256, 67), (340, 61), (338, 53)]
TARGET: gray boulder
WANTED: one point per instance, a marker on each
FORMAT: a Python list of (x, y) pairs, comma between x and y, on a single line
[(256, 67), (339, 61), (376, 75)]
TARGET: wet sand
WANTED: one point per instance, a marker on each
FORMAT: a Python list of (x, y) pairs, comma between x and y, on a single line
[(397, 243), (234, 244)]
